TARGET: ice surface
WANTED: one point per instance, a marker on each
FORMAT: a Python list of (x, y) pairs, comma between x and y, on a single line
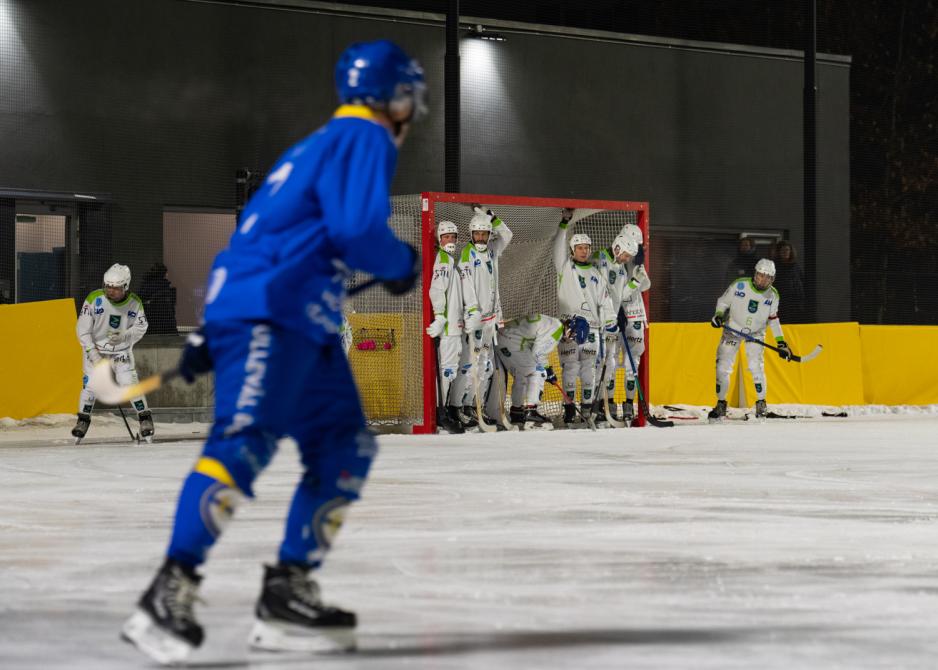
[(784, 544)]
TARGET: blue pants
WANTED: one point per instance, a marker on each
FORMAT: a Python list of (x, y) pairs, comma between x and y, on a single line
[(271, 383)]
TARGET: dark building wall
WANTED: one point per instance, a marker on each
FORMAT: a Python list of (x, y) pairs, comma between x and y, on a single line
[(159, 103)]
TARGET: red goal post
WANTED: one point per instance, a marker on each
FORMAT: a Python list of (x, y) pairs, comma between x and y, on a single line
[(527, 275)]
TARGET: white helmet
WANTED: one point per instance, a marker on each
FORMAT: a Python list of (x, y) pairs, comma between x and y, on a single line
[(766, 267), (117, 275), (624, 244), (446, 228), (580, 238), (633, 231), (483, 223)]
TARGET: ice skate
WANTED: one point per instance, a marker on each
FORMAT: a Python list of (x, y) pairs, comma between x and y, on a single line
[(516, 415), (146, 425), (81, 427), (569, 415), (761, 409), (291, 617), (164, 626), (718, 413), (469, 419), (628, 412), (586, 409), (533, 420), (448, 420)]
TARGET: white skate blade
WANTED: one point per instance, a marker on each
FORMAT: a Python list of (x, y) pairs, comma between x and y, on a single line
[(163, 647), (531, 425), (281, 636)]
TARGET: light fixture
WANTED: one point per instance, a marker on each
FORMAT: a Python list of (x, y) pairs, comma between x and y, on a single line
[(478, 31)]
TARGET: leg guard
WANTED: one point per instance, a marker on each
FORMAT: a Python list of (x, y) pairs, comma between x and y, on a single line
[(756, 364)]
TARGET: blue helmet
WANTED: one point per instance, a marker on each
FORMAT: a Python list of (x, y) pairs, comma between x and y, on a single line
[(379, 73)]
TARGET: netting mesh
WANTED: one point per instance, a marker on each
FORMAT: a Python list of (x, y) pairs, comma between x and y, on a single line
[(389, 349)]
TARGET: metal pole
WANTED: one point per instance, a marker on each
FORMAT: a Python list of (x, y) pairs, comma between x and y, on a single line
[(451, 100), (810, 161)]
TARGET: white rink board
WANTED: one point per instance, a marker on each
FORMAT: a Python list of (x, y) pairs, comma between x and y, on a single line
[(809, 544)]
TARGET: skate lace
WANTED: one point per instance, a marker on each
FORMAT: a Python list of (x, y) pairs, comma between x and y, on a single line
[(304, 589), (181, 597)]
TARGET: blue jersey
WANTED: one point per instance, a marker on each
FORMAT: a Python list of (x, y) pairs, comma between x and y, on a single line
[(321, 213)]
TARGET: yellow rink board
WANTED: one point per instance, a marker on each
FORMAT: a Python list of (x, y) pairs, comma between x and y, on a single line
[(899, 364), (42, 365)]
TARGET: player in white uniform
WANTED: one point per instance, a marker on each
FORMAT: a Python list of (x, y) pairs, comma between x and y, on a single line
[(585, 307), (611, 263), (478, 269), (636, 320), (524, 345), (454, 305), (111, 322), (747, 305)]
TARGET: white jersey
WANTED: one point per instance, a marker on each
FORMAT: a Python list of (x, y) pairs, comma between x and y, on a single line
[(450, 296), (632, 299), (623, 290), (480, 270), (537, 334), (748, 309), (581, 288), (110, 327)]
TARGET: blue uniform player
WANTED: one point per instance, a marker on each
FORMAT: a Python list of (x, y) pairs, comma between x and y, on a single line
[(271, 333)]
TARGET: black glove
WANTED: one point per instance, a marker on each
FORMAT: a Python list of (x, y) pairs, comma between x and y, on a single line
[(196, 359), (783, 351), (492, 215), (640, 256), (718, 320), (551, 376), (403, 285)]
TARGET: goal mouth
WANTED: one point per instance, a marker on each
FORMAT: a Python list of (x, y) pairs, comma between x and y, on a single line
[(397, 384)]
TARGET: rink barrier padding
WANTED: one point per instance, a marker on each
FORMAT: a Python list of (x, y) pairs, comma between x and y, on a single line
[(41, 365), (899, 365)]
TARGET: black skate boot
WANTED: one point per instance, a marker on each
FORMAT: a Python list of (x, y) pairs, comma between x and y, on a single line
[(164, 626), (469, 419), (516, 414), (146, 425), (448, 419), (81, 427), (291, 617), (534, 420), (718, 412), (628, 411), (569, 414), (761, 409)]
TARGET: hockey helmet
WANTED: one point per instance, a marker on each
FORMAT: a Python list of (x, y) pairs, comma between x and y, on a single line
[(481, 223), (765, 270), (117, 275), (446, 228), (381, 75), (578, 239), (623, 244), (633, 231)]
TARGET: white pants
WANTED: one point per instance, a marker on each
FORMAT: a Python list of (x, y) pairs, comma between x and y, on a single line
[(475, 344), (451, 347), (726, 360), (635, 335), (579, 362), (125, 372), (528, 382)]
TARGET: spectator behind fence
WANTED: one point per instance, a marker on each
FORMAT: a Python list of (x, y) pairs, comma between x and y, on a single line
[(789, 281), (159, 300), (745, 259)]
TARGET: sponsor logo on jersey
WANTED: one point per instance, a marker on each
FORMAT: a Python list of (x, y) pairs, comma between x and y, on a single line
[(637, 325), (612, 276), (114, 321), (594, 279), (97, 301), (131, 314), (753, 306), (139, 406), (741, 286), (767, 302), (740, 294), (582, 281), (488, 264)]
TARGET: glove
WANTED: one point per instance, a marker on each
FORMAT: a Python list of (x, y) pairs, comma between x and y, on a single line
[(93, 356), (435, 329), (639, 275), (551, 377), (783, 351), (718, 320), (640, 256), (116, 337), (195, 359), (405, 284), (474, 322), (565, 215)]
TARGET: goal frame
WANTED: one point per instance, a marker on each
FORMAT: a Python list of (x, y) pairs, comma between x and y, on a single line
[(428, 200)]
